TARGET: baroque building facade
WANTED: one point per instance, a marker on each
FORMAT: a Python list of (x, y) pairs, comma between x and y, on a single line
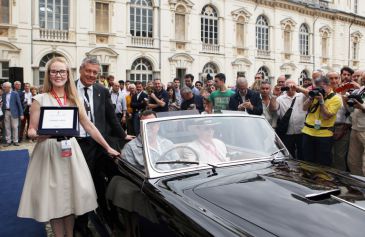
[(145, 39)]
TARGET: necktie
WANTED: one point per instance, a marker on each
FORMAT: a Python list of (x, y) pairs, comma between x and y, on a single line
[(88, 105), (86, 94)]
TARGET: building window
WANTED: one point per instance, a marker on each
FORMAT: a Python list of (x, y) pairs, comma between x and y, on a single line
[(209, 25), (180, 23), (287, 39), (102, 17), (265, 72), (355, 49), (304, 74), (53, 14), (104, 69), (304, 40), (42, 65), (262, 33), (210, 68), (4, 12), (356, 6), (240, 32), (141, 18), (4, 71), (141, 70), (325, 45)]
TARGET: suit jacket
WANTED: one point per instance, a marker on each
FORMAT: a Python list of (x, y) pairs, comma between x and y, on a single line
[(105, 119), (22, 97), (251, 95), (16, 108), (138, 104)]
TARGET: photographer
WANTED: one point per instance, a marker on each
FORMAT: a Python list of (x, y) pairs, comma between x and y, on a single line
[(158, 99), (356, 154), (322, 106), (342, 127), (289, 107)]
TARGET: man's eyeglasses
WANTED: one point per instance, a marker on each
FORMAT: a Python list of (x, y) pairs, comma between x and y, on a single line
[(55, 72)]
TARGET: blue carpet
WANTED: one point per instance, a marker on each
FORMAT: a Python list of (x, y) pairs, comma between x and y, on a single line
[(13, 167)]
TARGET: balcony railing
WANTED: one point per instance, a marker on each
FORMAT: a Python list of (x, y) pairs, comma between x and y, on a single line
[(210, 48), (53, 35), (305, 58), (263, 53), (145, 42)]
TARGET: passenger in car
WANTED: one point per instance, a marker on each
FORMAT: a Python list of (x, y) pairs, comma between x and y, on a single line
[(157, 145), (208, 148)]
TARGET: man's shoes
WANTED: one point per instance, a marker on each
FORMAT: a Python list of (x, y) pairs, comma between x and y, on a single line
[(7, 144), (16, 144)]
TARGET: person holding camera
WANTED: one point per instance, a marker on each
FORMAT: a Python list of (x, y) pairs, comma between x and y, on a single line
[(322, 107), (289, 108), (245, 99), (342, 127), (356, 153), (158, 98)]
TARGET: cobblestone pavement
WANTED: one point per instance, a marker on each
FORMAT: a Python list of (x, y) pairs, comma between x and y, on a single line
[(29, 145)]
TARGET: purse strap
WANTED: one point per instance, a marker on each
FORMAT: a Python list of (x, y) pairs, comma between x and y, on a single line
[(292, 103)]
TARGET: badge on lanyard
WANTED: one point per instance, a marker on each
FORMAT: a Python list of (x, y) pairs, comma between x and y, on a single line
[(317, 124), (66, 150)]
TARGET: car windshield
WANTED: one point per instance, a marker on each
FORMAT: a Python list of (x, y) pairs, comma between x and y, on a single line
[(185, 142)]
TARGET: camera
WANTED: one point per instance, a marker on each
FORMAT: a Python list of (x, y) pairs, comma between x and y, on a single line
[(284, 88), (317, 91), (354, 96)]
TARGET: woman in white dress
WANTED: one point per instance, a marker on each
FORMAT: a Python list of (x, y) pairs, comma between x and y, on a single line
[(58, 185)]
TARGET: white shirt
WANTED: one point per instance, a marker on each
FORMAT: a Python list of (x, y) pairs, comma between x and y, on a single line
[(297, 118), (341, 115), (81, 94), (28, 98), (7, 105), (118, 99)]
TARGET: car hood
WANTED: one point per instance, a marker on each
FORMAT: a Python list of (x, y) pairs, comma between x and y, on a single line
[(287, 199)]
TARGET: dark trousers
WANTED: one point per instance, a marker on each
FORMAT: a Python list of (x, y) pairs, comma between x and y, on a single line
[(24, 125), (102, 169), (317, 149), (294, 144), (136, 125)]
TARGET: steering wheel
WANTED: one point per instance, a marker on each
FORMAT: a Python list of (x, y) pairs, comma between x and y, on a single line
[(163, 157)]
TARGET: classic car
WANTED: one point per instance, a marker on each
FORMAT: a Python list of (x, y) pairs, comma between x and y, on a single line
[(229, 175)]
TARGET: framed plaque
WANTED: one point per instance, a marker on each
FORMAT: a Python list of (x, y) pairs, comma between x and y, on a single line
[(59, 121)]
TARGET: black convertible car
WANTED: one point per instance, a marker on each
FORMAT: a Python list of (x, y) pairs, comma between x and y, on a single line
[(229, 175)]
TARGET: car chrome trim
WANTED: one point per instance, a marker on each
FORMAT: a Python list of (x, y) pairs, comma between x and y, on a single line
[(347, 202), (324, 193), (152, 172)]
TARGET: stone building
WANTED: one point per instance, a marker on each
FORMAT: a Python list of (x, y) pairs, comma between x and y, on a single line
[(144, 39)]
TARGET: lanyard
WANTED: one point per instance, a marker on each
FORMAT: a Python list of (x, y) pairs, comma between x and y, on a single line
[(58, 98)]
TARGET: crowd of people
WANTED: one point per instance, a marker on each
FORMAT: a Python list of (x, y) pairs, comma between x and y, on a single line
[(322, 121)]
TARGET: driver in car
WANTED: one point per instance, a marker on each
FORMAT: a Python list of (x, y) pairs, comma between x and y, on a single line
[(133, 150), (208, 148)]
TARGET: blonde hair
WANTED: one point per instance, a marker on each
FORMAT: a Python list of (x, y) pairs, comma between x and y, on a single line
[(70, 87), (256, 86)]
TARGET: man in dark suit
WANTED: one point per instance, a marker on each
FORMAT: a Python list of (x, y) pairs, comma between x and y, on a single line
[(12, 110), (18, 89), (100, 110), (245, 99), (138, 104)]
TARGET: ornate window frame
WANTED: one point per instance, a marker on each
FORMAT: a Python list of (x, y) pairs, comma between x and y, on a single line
[(287, 27), (325, 34), (241, 17)]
